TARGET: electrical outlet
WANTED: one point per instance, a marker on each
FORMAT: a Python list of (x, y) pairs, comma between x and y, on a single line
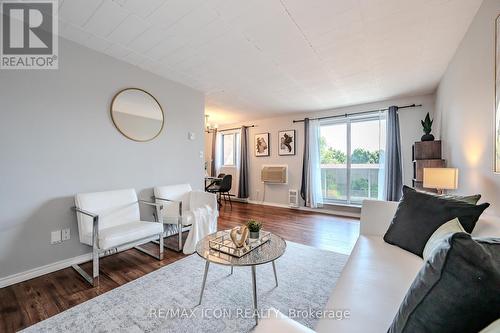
[(55, 237), (65, 234)]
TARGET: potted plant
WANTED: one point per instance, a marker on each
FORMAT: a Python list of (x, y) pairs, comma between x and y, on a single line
[(254, 228), (427, 127)]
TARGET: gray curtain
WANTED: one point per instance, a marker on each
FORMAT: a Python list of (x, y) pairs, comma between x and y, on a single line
[(394, 165), (243, 184), (304, 188), (212, 163)]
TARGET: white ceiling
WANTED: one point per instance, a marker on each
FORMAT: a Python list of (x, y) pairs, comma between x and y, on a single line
[(257, 58)]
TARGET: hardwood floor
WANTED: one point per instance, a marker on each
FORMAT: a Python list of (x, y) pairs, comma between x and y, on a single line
[(29, 302)]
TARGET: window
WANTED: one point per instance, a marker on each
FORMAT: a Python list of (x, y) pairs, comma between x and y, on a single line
[(229, 149), (351, 153)]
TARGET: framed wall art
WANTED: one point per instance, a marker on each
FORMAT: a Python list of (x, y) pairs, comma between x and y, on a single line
[(261, 144), (286, 142)]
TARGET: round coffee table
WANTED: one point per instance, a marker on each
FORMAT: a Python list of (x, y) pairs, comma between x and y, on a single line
[(268, 252)]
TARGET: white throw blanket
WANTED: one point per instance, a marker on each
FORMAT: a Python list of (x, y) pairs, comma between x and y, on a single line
[(205, 223)]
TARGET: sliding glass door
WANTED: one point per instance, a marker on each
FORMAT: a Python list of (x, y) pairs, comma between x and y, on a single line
[(352, 152)]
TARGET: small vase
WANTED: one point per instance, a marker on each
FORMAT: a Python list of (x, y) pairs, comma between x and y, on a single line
[(254, 234), (427, 137)]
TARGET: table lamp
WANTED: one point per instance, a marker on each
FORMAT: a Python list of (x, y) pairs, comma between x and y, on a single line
[(441, 179)]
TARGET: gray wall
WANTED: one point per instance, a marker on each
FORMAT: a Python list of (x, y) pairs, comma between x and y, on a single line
[(57, 139), (465, 105), (411, 131)]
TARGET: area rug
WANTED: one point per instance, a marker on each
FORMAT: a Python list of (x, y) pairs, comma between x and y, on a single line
[(166, 300)]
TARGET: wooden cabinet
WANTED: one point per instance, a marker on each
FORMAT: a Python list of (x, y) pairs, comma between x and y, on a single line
[(427, 150), (426, 154)]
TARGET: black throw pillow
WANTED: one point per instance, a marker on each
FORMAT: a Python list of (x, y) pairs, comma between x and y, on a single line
[(419, 214), (457, 289)]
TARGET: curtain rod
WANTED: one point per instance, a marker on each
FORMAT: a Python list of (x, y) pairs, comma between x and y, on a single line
[(235, 128), (359, 113)]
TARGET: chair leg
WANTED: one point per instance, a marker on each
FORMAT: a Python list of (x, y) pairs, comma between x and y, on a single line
[(179, 226), (94, 279), (161, 246), (95, 267), (219, 199), (153, 254), (229, 197)]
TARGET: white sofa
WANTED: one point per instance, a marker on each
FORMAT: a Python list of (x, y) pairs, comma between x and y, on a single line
[(374, 280)]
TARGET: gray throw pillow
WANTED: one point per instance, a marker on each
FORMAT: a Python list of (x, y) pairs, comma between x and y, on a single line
[(457, 289), (420, 214)]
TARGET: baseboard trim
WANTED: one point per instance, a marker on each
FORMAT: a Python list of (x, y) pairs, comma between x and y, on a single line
[(42, 270), (316, 210), (272, 204), (332, 212), (65, 263)]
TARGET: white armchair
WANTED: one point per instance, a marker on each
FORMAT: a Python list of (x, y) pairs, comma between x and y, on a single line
[(108, 220), (182, 206)]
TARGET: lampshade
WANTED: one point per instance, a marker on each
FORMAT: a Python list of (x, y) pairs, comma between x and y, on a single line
[(441, 178)]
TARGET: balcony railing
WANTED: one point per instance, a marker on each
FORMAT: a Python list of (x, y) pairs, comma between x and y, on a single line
[(364, 182)]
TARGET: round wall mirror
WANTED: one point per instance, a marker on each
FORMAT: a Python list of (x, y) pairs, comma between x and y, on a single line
[(137, 114)]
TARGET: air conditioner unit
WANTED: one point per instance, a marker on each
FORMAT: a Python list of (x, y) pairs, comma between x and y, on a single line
[(274, 174), (293, 198)]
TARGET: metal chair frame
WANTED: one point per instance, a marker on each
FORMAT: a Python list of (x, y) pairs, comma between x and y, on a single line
[(97, 252), (180, 226)]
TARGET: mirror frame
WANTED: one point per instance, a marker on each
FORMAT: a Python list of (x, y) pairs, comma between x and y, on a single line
[(122, 132)]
